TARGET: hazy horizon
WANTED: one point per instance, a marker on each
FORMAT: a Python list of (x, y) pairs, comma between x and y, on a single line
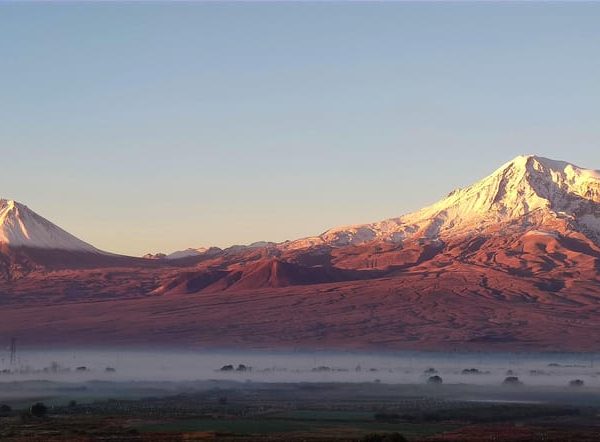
[(149, 127)]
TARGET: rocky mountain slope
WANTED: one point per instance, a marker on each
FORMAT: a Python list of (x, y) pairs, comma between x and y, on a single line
[(511, 262)]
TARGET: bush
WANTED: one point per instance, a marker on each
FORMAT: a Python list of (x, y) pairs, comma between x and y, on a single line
[(576, 383), (321, 368), (512, 380), (5, 410), (38, 410), (436, 380)]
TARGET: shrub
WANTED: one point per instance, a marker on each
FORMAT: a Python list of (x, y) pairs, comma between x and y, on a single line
[(321, 368), (512, 380), (38, 410), (436, 380)]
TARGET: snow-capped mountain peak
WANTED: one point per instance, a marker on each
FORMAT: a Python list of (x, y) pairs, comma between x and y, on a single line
[(22, 227), (527, 192), (187, 253)]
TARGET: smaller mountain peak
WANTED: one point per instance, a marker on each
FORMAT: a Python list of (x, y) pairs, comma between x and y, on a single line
[(21, 227), (6, 203), (7, 207), (11, 206)]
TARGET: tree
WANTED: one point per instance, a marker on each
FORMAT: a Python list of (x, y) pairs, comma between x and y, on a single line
[(38, 409), (576, 383), (512, 380), (435, 380)]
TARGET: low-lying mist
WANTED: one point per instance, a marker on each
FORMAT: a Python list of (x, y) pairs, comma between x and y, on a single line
[(556, 369), (85, 376)]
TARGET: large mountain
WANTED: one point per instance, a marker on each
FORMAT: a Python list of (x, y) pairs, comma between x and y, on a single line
[(511, 262), (529, 192)]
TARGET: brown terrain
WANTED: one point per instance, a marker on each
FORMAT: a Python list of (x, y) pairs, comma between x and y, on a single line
[(511, 262), (520, 292)]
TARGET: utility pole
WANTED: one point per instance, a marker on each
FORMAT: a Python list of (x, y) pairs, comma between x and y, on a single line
[(13, 352)]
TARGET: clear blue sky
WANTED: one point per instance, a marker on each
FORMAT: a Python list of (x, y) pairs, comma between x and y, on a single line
[(153, 127)]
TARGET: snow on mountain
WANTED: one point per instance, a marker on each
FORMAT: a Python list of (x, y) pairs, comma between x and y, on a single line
[(529, 193), (21, 227), (254, 245), (194, 252), (525, 193), (214, 250), (186, 253)]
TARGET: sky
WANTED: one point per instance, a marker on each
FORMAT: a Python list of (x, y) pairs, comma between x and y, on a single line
[(153, 127)]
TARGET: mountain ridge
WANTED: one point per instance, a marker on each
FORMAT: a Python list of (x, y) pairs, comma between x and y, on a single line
[(528, 188), (510, 262)]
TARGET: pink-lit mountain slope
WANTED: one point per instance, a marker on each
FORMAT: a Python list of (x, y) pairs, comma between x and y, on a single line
[(511, 262)]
